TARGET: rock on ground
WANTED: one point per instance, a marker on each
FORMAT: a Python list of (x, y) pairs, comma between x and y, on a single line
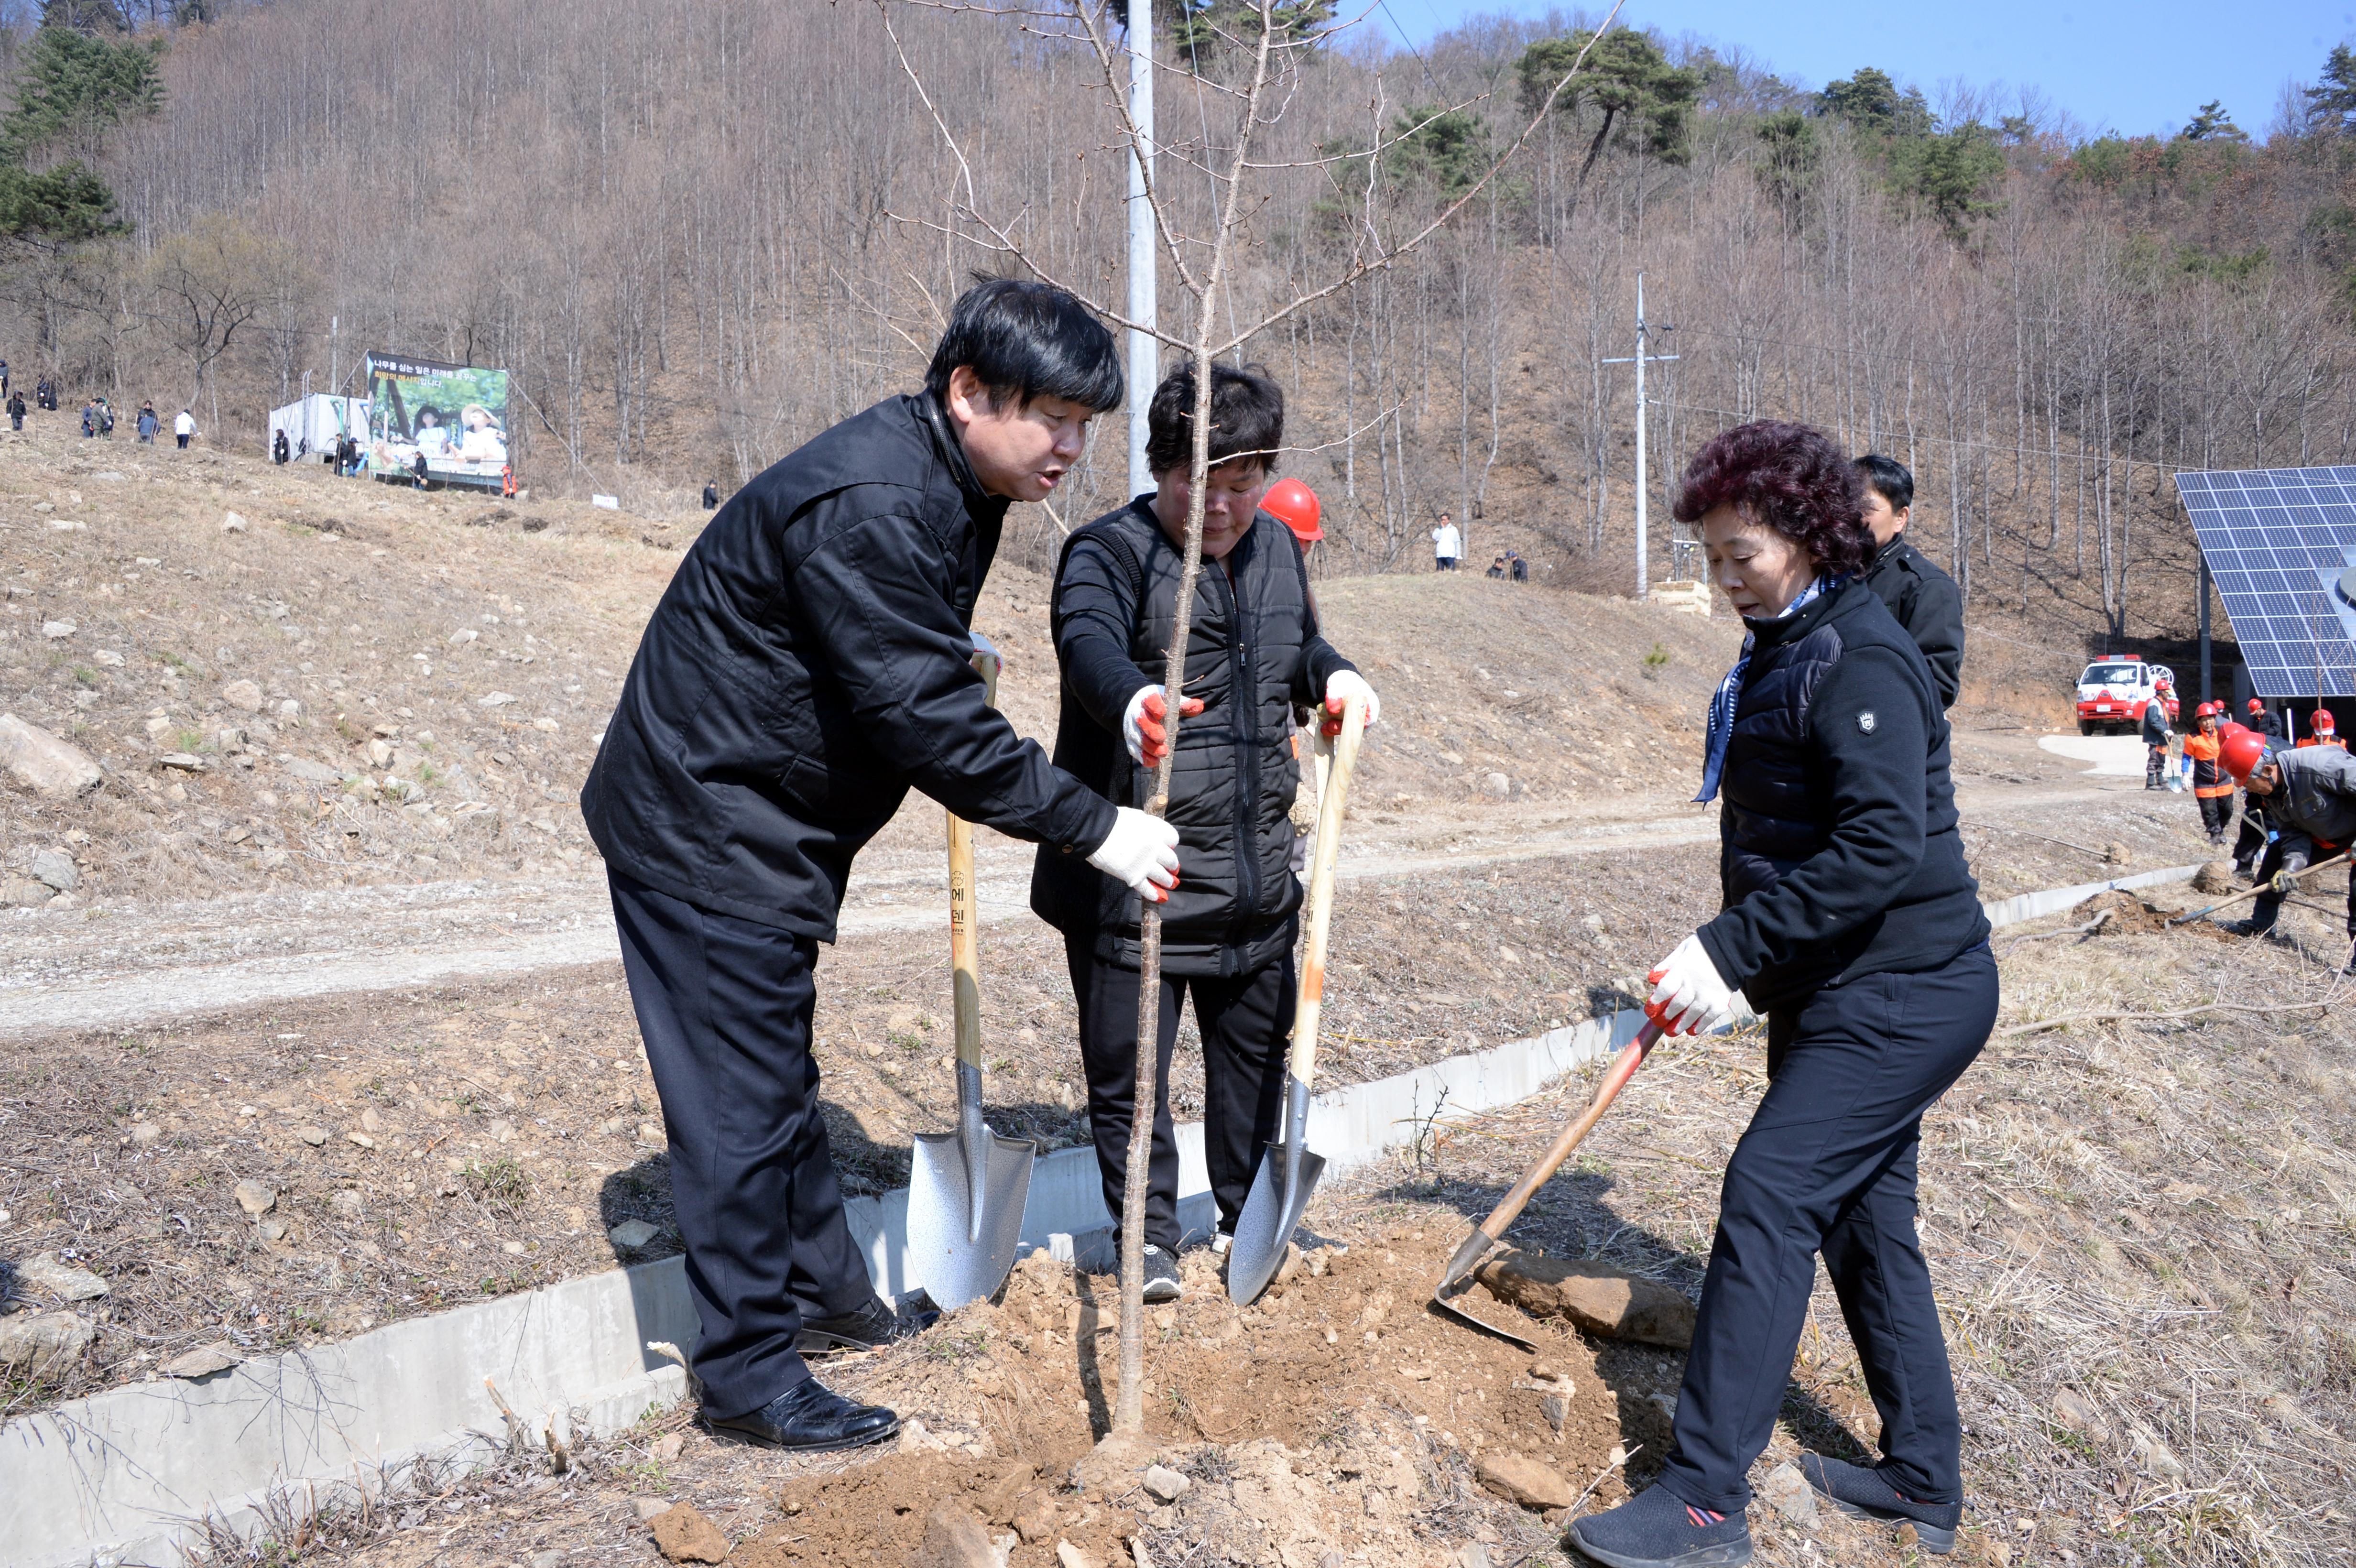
[(51, 1274), (1789, 1491), (41, 1346), (55, 769), (954, 1539), (684, 1535), (201, 1362), (1594, 1296), (2214, 877), (254, 1196), (1525, 1481)]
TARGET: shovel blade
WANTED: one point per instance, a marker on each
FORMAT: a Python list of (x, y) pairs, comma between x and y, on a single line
[(961, 1242), (1272, 1213)]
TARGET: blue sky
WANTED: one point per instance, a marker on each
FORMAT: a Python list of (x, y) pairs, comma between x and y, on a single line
[(2134, 68)]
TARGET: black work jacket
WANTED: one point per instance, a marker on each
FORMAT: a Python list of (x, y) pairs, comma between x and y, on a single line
[(1253, 654), (1926, 601), (808, 663), (1838, 853)]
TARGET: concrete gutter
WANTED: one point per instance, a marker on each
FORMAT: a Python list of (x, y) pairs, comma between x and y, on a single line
[(124, 1477)]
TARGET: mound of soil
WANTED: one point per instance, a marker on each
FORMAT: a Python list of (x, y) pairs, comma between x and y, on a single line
[(1335, 1414)]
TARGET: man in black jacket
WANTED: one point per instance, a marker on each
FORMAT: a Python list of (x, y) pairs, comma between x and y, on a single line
[(1254, 654), (809, 662), (1922, 599)]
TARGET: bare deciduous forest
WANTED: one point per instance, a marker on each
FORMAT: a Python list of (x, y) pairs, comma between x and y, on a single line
[(698, 230)]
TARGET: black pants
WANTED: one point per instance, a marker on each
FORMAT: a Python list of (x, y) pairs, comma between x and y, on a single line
[(2155, 765), (1827, 1166), (182, 441), (724, 1008), (2293, 851), (1245, 1023), (2216, 810), (2251, 842)]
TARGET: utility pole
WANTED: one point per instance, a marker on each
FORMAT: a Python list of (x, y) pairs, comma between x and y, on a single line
[(1642, 355), (1144, 354)]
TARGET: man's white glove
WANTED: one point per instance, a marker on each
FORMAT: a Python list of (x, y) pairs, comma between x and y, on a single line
[(1688, 996), (1145, 724), (1140, 853), (1341, 685)]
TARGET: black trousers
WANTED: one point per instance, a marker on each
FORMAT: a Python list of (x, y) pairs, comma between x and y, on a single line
[(2155, 766), (1244, 1022), (2251, 842), (1828, 1166), (724, 1008), (2216, 810), (2293, 851)]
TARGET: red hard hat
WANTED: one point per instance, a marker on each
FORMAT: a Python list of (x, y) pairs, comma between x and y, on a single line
[(2257, 706), (2322, 719), (2242, 752), (1294, 505)]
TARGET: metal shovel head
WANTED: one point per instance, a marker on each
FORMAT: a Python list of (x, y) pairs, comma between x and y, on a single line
[(961, 1242), (1272, 1213)]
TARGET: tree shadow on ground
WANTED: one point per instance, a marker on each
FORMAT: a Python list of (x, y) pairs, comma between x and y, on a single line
[(1571, 1218)]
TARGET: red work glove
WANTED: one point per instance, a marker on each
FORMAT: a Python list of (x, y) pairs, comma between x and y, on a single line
[(1146, 726)]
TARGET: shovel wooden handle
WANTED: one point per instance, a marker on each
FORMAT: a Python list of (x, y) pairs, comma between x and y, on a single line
[(1623, 1067), (1325, 848), (965, 913)]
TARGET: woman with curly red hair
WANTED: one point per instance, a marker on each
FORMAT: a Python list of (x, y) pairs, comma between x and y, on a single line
[(1852, 922)]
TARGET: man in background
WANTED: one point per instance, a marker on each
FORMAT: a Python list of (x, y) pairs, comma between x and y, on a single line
[(2156, 738), (1447, 545), (184, 425), (1922, 598)]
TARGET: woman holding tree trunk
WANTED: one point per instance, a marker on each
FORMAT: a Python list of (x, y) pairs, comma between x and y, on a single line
[(1253, 654)]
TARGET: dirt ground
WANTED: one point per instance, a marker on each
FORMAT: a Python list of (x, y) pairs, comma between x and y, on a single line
[(2140, 1232)]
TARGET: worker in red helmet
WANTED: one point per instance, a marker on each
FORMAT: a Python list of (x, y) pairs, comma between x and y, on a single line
[(2156, 738), (2264, 721), (2320, 731), (1295, 505), (2213, 788), (2310, 803)]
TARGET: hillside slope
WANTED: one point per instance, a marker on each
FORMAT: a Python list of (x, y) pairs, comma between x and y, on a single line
[(364, 684)]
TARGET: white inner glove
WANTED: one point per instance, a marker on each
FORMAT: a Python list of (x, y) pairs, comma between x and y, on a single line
[(1140, 853), (1688, 996), (1345, 684)]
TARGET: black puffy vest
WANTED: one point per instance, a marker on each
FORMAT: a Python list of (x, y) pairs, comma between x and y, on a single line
[(1772, 817), (1251, 644)]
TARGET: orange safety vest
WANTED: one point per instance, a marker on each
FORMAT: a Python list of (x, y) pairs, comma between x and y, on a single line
[(2208, 782), (2324, 740)]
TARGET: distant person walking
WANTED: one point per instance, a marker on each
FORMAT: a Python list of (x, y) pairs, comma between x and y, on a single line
[(16, 410), (45, 393), (1447, 545), (148, 423), (278, 452), (2155, 737), (89, 420), (1516, 567), (710, 494), (184, 426), (419, 468), (4, 378)]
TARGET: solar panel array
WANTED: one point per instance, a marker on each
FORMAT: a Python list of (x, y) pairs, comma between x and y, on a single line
[(2275, 540)]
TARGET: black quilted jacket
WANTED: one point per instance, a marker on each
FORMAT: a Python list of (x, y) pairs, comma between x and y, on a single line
[(1838, 852)]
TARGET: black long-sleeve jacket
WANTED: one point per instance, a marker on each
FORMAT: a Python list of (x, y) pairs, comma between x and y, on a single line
[(1926, 601), (1253, 653), (808, 663), (1839, 850)]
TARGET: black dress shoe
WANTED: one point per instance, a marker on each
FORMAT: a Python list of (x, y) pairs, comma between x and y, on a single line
[(810, 1418), (870, 1328)]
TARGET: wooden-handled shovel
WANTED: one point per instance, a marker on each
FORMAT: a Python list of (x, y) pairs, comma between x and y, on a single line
[(1491, 1231), (1289, 1171), (966, 1188)]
